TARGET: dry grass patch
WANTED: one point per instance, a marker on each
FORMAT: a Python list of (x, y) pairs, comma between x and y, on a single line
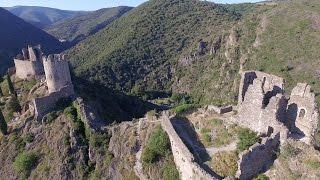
[(225, 163)]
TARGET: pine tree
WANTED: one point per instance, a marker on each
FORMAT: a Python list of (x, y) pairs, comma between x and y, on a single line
[(3, 124), (11, 87)]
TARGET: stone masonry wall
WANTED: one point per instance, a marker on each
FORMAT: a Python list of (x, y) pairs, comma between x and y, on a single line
[(57, 72), (44, 105), (27, 69), (303, 112), (271, 83), (183, 158), (258, 158)]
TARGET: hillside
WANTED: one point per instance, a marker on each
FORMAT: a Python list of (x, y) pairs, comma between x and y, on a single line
[(42, 17), (15, 34), (171, 46), (77, 28), (138, 52)]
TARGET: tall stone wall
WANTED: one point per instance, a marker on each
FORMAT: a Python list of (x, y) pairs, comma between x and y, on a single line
[(27, 69), (189, 169), (29, 63), (272, 84), (57, 72), (46, 104), (258, 158), (303, 114)]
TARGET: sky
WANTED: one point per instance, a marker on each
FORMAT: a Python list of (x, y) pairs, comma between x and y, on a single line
[(88, 4)]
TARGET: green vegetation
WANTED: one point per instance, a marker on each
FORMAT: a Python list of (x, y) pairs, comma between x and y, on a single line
[(10, 85), (79, 27), (184, 108), (148, 41), (225, 163), (3, 124), (247, 138), (42, 16), (157, 155), (24, 163), (314, 164), (158, 146), (262, 177), (223, 135)]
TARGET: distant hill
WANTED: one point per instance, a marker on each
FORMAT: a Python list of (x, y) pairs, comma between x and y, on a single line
[(138, 52), (15, 34), (42, 17), (79, 27), (198, 47)]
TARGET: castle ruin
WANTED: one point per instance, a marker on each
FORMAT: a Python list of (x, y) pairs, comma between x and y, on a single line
[(58, 80), (29, 63), (263, 107)]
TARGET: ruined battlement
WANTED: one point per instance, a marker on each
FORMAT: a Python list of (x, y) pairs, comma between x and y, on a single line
[(57, 72), (29, 63), (262, 106)]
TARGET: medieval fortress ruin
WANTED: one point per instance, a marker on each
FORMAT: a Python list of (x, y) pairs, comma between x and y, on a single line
[(32, 64), (264, 108)]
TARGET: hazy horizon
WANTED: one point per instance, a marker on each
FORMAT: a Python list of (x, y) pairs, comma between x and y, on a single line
[(92, 5)]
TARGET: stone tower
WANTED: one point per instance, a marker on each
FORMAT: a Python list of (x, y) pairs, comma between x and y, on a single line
[(57, 72)]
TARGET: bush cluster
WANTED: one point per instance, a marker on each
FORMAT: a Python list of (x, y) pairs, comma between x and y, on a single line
[(24, 163), (158, 146), (247, 138)]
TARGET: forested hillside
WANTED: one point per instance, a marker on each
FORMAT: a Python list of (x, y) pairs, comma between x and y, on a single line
[(198, 48), (42, 17), (77, 28), (138, 52), (16, 34)]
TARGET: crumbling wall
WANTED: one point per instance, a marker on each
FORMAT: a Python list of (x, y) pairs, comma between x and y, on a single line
[(220, 110), (258, 158), (46, 104), (272, 84), (57, 72), (27, 69), (303, 113), (189, 169), (29, 63)]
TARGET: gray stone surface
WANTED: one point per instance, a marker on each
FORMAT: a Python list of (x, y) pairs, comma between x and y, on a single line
[(258, 158), (29, 64)]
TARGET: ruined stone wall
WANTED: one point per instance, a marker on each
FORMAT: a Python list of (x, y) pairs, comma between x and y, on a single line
[(303, 113), (27, 69), (46, 104), (183, 158), (258, 158), (271, 83), (220, 110), (57, 72)]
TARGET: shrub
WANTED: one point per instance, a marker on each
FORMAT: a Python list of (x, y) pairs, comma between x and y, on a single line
[(24, 163), (51, 116), (3, 124), (29, 137), (169, 170), (261, 177), (184, 108), (71, 113), (225, 163), (13, 105), (10, 85), (108, 159), (247, 138), (158, 146)]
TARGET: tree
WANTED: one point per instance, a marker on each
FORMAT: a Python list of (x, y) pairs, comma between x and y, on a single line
[(3, 124), (10, 85)]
